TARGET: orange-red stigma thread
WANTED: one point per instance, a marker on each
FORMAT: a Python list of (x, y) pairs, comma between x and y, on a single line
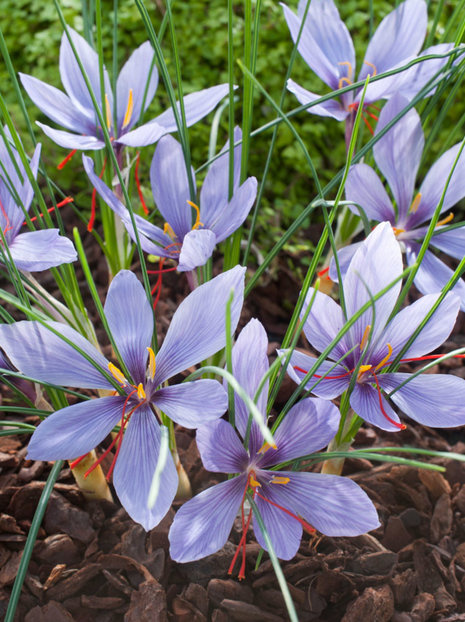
[(324, 273), (51, 209), (90, 224), (65, 161), (139, 189)]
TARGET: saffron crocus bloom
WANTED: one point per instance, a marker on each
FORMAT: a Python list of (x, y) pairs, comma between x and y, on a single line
[(189, 241), (398, 155), (326, 46), (287, 500), (197, 331), (75, 111), (32, 251), (373, 342)]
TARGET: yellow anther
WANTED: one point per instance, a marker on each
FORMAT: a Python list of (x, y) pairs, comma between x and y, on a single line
[(140, 391), (280, 480), (415, 203), (343, 81), (398, 231), (129, 109), (108, 112), (167, 229), (264, 448), (386, 358), (365, 337), (350, 71), (445, 220), (152, 364), (363, 369), (118, 374), (365, 62), (197, 222), (253, 482)]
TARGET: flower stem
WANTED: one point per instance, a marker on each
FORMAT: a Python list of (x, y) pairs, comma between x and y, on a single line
[(341, 442)]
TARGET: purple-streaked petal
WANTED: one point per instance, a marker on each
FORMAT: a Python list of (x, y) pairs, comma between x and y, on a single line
[(74, 431), (451, 242), (40, 354), (39, 250), (344, 257), (25, 191), (135, 467), (323, 323), (133, 76), (398, 153), (364, 187), (170, 185), (192, 403), (328, 388), (235, 212), (72, 141), (329, 108), (220, 448), (130, 319), (197, 248), (325, 43), (365, 400), (198, 327), (436, 400), (202, 525), (143, 135), (309, 426), (56, 105)]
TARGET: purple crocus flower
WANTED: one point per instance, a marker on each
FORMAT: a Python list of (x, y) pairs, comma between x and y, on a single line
[(197, 331), (373, 342), (287, 500), (398, 155), (190, 244), (32, 251), (75, 111), (326, 46)]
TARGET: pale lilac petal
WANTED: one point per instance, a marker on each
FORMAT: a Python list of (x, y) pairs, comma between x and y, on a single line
[(135, 467), (364, 187), (329, 387), (24, 190), (130, 319), (40, 354), (143, 135), (72, 141), (133, 76), (74, 431), (220, 448), (365, 400), (192, 403), (398, 153), (308, 427), (39, 250), (323, 323), (233, 214), (344, 257), (451, 242), (170, 185), (202, 525), (436, 400), (198, 328), (329, 108), (197, 248)]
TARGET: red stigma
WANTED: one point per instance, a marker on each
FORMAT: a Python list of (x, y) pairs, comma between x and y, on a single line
[(304, 524), (401, 426), (65, 161), (51, 209), (139, 189), (324, 273), (90, 224)]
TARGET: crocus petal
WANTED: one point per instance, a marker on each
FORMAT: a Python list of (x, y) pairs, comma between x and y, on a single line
[(309, 426), (325, 43), (133, 77), (144, 135), (344, 257), (197, 329), (130, 319), (398, 153), (364, 187), (135, 467), (220, 448), (72, 141), (74, 431), (451, 242), (329, 108), (235, 212), (197, 248), (328, 388), (25, 190), (192, 403), (39, 250), (323, 323), (170, 185), (436, 400), (365, 400), (56, 105), (40, 354), (202, 525)]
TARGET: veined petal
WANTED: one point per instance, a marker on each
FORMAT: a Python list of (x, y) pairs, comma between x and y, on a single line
[(170, 185), (72, 141), (234, 213), (364, 187), (365, 400), (202, 525), (197, 329), (40, 354), (344, 257), (135, 467), (436, 400), (24, 190), (197, 248), (74, 431), (130, 319), (220, 448), (144, 135), (451, 242), (192, 403), (329, 108), (323, 323), (39, 250), (309, 426), (334, 383)]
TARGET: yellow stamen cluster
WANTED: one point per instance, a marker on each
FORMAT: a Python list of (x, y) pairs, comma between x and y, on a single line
[(152, 363), (365, 62), (386, 358), (365, 337), (445, 220), (265, 447), (118, 374), (415, 203), (108, 112), (197, 222), (280, 480), (167, 229), (129, 109), (140, 392), (253, 482), (350, 73)]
